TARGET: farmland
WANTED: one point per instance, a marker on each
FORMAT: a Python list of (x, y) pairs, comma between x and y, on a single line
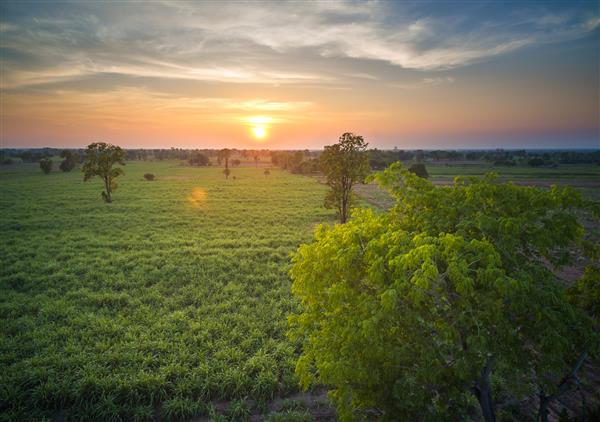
[(171, 302)]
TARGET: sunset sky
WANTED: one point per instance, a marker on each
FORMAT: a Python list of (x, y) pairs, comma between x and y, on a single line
[(298, 74)]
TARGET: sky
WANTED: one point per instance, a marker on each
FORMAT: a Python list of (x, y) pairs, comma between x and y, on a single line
[(286, 75)]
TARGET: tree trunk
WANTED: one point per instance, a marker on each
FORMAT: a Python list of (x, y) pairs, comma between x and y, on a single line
[(543, 407), (562, 387), (108, 199), (483, 392)]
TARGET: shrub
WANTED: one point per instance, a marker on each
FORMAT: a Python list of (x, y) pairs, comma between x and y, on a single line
[(536, 162), (69, 162), (198, 159), (46, 165), (420, 170), (149, 177)]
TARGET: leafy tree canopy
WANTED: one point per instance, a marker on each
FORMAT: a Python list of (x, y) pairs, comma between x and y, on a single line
[(100, 158), (344, 165), (417, 313)]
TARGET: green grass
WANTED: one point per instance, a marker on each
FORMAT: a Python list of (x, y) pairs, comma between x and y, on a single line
[(158, 304), (579, 172)]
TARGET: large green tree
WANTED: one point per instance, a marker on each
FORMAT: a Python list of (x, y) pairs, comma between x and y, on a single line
[(420, 312), (100, 159), (344, 165)]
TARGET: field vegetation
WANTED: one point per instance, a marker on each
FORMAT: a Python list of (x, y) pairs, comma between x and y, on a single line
[(165, 303)]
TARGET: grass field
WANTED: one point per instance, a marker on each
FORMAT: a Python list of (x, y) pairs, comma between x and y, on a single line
[(166, 303), (584, 177)]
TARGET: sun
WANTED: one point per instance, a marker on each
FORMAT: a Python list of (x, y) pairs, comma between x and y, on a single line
[(259, 132)]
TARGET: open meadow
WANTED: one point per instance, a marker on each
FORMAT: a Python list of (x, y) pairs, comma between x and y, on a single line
[(170, 302)]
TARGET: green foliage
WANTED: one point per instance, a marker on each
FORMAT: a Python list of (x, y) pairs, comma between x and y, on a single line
[(100, 158), (46, 165), (536, 162), (290, 416), (405, 312), (238, 410), (344, 165), (198, 159), (586, 292), (149, 177), (69, 161), (181, 409), (177, 293), (420, 170)]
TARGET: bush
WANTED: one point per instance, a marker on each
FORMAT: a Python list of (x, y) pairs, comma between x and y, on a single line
[(69, 162), (149, 177), (536, 162), (198, 159), (420, 170), (46, 165)]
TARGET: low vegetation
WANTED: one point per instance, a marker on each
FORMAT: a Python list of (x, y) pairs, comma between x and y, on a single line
[(168, 303), (46, 165)]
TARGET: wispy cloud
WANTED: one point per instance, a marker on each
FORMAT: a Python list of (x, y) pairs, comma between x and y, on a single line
[(425, 83), (259, 42)]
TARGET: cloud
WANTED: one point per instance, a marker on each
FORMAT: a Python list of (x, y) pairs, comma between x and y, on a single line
[(248, 42), (425, 83)]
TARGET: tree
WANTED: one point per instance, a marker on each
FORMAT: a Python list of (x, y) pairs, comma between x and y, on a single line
[(344, 164), (409, 314), (198, 159), (69, 162), (100, 158), (420, 170), (224, 154), (46, 165)]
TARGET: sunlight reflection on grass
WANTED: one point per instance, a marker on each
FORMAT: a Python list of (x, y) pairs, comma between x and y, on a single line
[(197, 198)]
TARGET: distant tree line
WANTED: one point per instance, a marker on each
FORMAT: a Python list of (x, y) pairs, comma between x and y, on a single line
[(307, 161)]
